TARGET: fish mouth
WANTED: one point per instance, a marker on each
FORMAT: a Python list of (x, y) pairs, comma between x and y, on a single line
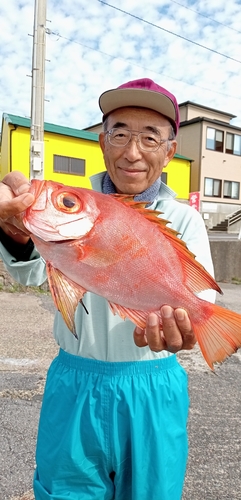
[(32, 227), (40, 229)]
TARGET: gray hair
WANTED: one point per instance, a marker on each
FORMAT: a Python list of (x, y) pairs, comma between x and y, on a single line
[(172, 137), (105, 123)]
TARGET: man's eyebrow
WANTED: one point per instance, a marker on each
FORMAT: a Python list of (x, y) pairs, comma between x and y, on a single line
[(119, 125), (152, 129), (148, 128)]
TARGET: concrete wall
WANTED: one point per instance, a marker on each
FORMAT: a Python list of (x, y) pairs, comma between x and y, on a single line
[(226, 256), (190, 110)]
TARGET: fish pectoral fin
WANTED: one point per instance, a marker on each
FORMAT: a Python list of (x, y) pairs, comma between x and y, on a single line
[(66, 295), (99, 258), (137, 317)]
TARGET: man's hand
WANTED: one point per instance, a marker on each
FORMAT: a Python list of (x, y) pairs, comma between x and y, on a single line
[(176, 333), (14, 199)]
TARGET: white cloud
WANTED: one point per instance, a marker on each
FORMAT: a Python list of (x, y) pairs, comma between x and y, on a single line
[(94, 47)]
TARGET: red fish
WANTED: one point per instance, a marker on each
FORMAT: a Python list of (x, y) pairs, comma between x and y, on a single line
[(114, 247)]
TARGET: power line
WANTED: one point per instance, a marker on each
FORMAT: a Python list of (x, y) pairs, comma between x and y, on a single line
[(170, 32), (207, 17), (55, 33)]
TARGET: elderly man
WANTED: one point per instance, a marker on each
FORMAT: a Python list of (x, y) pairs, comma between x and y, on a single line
[(114, 413)]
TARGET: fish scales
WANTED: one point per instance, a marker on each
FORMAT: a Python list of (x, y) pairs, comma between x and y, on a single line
[(112, 246)]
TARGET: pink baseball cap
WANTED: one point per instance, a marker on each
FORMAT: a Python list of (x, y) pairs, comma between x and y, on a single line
[(143, 93)]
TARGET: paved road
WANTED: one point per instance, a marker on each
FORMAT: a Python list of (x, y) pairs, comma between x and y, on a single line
[(26, 349)]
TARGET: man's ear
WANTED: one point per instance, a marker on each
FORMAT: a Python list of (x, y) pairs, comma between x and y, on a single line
[(102, 141), (170, 153)]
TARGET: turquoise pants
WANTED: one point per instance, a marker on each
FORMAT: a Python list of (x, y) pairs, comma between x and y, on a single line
[(112, 430)]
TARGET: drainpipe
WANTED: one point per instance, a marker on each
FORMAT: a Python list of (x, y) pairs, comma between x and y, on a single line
[(11, 143), (200, 163)]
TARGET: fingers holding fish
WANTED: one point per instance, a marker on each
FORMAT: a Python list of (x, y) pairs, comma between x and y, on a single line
[(139, 336), (172, 334), (14, 195), (176, 333), (177, 329), (15, 198), (151, 335), (17, 183), (184, 324)]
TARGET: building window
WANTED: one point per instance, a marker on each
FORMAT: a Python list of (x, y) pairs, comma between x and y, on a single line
[(231, 190), (214, 139), (212, 187), (233, 144), (67, 165)]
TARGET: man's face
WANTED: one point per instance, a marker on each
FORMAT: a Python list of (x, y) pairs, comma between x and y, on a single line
[(131, 169)]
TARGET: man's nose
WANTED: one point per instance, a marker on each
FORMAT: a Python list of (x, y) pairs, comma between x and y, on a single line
[(132, 149)]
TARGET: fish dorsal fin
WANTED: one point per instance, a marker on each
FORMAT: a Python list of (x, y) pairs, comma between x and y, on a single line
[(196, 278)]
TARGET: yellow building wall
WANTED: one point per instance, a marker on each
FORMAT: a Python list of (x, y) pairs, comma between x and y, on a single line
[(59, 145), (15, 156), (5, 151), (178, 177), (20, 150)]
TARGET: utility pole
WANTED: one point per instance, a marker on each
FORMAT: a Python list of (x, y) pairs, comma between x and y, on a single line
[(37, 94)]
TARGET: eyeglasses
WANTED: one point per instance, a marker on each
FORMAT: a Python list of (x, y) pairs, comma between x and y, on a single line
[(147, 141)]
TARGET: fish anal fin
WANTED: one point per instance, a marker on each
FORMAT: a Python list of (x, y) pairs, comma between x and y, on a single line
[(137, 317), (66, 295)]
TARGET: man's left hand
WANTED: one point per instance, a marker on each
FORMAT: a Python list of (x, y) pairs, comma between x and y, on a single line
[(176, 333)]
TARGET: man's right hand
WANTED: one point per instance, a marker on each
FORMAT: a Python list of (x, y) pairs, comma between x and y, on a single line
[(14, 199)]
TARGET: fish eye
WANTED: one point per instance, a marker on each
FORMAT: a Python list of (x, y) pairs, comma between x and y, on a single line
[(67, 202)]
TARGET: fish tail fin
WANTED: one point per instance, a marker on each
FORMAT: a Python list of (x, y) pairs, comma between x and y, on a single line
[(220, 335)]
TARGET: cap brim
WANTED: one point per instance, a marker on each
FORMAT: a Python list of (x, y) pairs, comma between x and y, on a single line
[(121, 98)]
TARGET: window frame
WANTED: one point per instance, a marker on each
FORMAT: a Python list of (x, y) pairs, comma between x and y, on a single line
[(218, 149), (70, 161), (213, 187), (233, 183), (233, 137)]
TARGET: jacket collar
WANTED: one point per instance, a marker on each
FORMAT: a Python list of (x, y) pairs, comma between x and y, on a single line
[(165, 192)]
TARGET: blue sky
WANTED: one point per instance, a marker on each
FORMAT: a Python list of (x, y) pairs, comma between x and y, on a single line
[(190, 47)]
